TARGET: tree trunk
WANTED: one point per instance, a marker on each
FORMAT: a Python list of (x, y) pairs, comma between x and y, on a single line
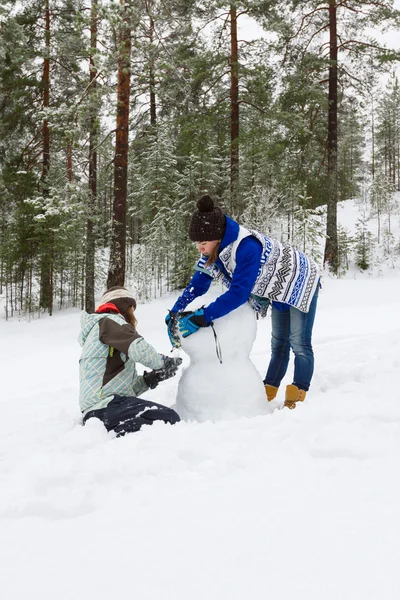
[(373, 138), (152, 75), (46, 266), (116, 273), (398, 167), (390, 146), (46, 101), (234, 99), (93, 138), (331, 247), (153, 109)]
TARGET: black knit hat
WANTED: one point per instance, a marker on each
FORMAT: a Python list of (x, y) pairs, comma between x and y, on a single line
[(208, 221), (120, 297)]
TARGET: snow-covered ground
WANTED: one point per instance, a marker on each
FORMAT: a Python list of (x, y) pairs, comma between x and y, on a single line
[(299, 504)]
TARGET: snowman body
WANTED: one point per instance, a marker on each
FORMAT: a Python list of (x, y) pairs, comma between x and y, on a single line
[(210, 390)]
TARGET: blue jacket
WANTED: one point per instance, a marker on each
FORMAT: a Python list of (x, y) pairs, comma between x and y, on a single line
[(248, 259)]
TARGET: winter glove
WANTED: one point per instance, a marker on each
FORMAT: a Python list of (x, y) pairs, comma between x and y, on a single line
[(153, 378), (192, 322), (172, 325)]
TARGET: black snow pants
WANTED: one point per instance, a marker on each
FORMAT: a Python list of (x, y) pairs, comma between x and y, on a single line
[(126, 414)]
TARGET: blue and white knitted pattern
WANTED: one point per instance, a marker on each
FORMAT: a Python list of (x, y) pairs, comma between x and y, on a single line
[(285, 274), (92, 364)]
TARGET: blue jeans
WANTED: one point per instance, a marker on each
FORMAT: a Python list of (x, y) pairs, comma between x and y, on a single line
[(292, 328)]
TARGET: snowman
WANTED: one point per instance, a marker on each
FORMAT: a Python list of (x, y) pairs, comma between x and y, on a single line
[(221, 382)]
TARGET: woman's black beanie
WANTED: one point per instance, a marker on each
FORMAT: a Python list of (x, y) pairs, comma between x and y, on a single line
[(208, 221)]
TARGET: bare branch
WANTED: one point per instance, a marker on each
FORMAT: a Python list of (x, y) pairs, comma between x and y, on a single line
[(30, 142), (213, 84), (254, 106), (310, 14), (221, 100), (210, 21), (313, 36), (99, 145), (360, 43), (222, 30), (350, 8), (87, 88), (351, 76)]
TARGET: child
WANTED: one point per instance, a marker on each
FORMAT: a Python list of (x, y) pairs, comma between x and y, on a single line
[(257, 269), (109, 383)]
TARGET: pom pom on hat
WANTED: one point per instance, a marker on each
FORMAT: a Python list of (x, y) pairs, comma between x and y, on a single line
[(205, 204), (208, 221)]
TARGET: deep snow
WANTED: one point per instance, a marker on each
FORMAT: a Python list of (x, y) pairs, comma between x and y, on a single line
[(296, 504)]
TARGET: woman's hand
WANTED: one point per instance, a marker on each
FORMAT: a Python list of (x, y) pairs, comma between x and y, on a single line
[(192, 322), (172, 327)]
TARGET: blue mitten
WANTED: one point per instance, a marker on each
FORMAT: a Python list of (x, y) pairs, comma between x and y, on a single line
[(172, 325), (192, 322)]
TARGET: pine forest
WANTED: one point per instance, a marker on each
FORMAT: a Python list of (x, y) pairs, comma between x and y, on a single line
[(116, 115)]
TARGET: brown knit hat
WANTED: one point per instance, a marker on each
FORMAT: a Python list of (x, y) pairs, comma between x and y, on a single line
[(208, 221)]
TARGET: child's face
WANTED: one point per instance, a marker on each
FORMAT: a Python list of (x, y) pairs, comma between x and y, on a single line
[(207, 247), (130, 315)]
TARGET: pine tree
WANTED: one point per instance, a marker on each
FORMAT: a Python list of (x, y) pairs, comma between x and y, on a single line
[(345, 245), (381, 200), (364, 244), (337, 20), (388, 132)]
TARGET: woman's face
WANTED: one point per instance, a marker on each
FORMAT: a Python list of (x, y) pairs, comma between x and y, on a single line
[(207, 247)]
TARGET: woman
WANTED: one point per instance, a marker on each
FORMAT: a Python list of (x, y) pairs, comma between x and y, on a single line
[(257, 269), (109, 383)]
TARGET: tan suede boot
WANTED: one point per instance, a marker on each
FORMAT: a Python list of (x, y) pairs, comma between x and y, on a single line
[(293, 395), (271, 392)]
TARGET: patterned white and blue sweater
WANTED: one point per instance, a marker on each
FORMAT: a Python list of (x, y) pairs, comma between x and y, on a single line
[(251, 265), (110, 349)]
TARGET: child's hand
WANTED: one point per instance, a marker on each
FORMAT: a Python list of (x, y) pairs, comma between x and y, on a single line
[(153, 378)]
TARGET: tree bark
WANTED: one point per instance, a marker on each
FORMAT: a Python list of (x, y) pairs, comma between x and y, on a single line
[(373, 139), (234, 100), (153, 108), (152, 75), (116, 273), (46, 266), (93, 137), (331, 246), (46, 98)]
